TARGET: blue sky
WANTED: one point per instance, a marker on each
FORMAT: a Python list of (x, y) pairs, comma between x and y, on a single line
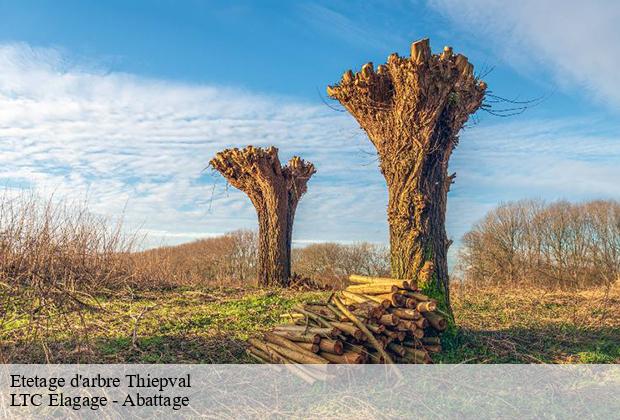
[(124, 102)]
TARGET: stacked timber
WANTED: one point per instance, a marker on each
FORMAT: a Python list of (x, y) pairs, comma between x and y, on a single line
[(374, 320)]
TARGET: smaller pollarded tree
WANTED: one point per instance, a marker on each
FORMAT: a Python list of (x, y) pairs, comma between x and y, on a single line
[(275, 191)]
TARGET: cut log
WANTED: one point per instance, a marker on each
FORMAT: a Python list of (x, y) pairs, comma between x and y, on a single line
[(396, 335), (376, 329), (431, 340), (362, 327), (259, 355), (378, 288), (357, 279), (331, 346), (294, 351), (299, 336), (421, 323), (406, 325), (354, 296), (434, 348), (349, 357), (386, 302), (330, 332), (426, 306), (419, 296), (304, 357), (389, 320), (398, 349), (411, 303), (371, 289), (349, 329), (437, 321), (311, 347), (339, 315), (418, 333), (410, 314), (274, 356)]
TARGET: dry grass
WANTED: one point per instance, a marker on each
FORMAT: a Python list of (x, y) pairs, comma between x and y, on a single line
[(198, 325), (57, 261), (530, 325), (173, 326)]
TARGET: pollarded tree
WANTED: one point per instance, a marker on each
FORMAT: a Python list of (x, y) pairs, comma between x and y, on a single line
[(412, 109), (275, 191)]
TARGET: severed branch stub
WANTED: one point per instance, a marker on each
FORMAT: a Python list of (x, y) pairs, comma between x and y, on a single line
[(412, 109), (275, 191)]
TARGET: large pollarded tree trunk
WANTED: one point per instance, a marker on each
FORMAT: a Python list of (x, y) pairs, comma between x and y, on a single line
[(275, 191), (412, 109)]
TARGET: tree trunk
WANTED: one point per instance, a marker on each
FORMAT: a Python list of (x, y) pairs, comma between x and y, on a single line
[(416, 219), (273, 256), (275, 192), (412, 110)]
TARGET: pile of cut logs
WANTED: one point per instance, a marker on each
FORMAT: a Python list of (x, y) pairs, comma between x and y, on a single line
[(375, 320)]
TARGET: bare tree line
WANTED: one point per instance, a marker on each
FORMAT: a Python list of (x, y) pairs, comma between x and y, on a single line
[(231, 259), (556, 245), (331, 263), (53, 248)]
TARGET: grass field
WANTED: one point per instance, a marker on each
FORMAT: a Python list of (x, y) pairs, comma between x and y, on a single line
[(210, 326)]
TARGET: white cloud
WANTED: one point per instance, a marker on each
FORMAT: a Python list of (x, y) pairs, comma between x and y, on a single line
[(549, 159), (140, 146), (143, 144), (577, 41)]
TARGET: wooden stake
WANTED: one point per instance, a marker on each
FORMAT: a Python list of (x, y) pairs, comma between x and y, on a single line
[(293, 351), (362, 327)]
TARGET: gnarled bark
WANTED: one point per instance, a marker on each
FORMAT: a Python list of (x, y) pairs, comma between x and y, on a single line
[(412, 110), (275, 191)]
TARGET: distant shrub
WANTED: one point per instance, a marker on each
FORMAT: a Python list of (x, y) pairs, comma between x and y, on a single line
[(55, 258), (55, 247)]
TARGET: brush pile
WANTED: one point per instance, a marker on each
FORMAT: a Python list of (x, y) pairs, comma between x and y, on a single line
[(375, 320)]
